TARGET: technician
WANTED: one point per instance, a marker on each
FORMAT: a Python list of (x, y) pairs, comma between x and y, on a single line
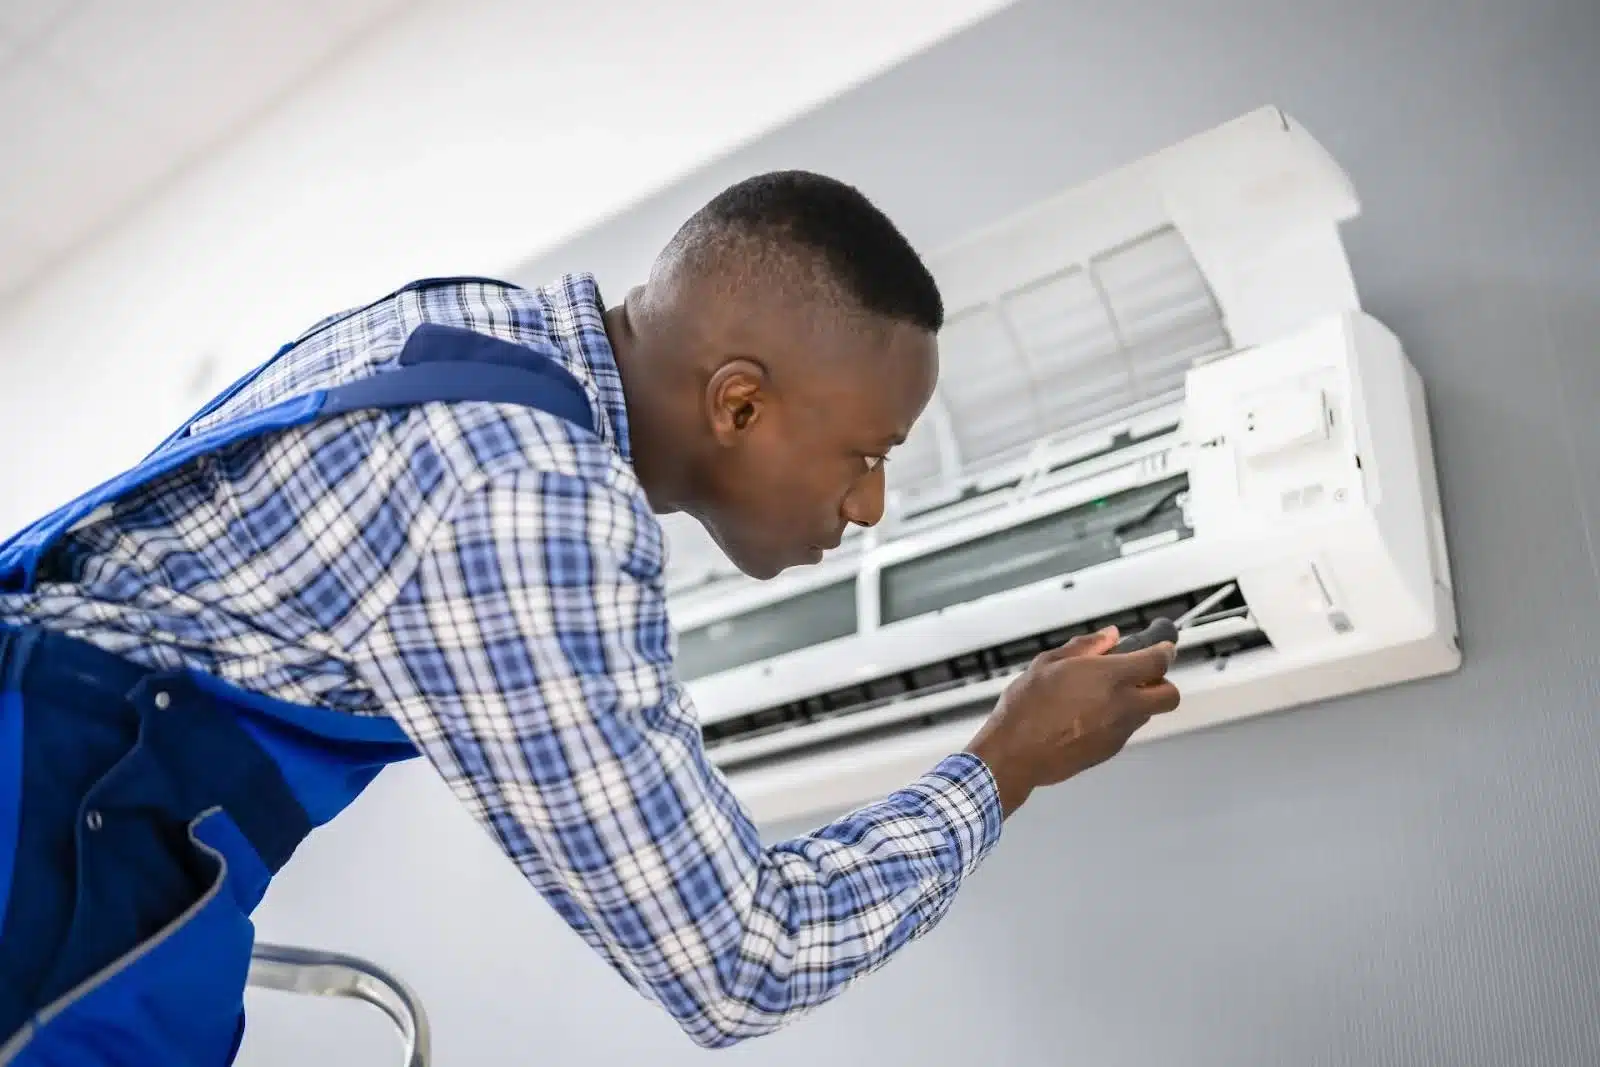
[(429, 527)]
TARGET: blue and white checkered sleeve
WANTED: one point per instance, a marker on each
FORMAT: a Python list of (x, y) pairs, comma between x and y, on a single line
[(536, 643)]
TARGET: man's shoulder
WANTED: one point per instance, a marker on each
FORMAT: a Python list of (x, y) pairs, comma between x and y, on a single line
[(562, 322), (556, 321), (372, 335), (471, 442)]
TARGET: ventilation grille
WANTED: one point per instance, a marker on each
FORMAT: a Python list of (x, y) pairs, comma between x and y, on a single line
[(1065, 351), (898, 702)]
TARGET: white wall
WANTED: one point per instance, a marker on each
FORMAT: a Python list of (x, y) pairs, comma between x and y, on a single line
[(462, 138)]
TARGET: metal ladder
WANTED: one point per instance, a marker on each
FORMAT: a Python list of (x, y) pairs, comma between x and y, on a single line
[(312, 972)]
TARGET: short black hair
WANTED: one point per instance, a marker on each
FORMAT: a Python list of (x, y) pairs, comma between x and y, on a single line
[(865, 257)]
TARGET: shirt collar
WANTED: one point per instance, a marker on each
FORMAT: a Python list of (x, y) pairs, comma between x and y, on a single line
[(578, 315)]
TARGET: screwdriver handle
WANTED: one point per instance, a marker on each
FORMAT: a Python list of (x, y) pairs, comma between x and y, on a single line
[(1158, 631)]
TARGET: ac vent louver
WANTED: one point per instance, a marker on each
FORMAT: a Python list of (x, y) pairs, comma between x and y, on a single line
[(961, 685)]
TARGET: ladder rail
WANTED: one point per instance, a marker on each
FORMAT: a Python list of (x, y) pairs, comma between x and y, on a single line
[(314, 972)]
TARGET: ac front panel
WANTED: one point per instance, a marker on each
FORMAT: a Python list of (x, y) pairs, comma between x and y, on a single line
[(1233, 190)]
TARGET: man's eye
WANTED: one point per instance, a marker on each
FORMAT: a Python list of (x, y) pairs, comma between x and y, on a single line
[(874, 462)]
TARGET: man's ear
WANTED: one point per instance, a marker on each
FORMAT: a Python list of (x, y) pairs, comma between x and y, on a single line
[(736, 397)]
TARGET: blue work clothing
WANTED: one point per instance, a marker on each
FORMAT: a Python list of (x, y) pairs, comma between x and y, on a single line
[(143, 812)]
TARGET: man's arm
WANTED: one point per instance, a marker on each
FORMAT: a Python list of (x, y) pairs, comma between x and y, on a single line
[(530, 657)]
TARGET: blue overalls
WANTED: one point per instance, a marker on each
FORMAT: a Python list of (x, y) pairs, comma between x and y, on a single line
[(142, 812)]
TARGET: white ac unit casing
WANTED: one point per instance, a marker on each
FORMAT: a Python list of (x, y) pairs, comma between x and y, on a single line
[(1250, 428)]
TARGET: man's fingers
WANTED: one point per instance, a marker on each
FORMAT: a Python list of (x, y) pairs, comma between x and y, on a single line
[(1144, 667), (1084, 645), (1156, 699)]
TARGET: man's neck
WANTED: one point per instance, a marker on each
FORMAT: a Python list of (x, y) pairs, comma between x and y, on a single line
[(658, 452)]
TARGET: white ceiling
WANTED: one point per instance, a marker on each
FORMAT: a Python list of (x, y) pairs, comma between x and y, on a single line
[(100, 100)]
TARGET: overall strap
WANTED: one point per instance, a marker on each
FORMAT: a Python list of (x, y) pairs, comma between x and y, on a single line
[(438, 364), (451, 365)]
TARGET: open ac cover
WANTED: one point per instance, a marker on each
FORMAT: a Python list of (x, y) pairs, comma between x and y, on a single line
[(1155, 385)]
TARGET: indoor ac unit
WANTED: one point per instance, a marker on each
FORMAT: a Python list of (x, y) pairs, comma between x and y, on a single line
[(1158, 390)]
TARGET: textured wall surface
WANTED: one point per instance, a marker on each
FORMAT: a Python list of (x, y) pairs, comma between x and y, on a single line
[(1408, 877)]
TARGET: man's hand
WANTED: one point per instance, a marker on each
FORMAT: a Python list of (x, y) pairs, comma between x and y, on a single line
[(1073, 709)]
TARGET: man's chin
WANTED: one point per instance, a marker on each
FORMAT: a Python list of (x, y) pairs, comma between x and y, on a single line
[(768, 568), (763, 571), (762, 566)]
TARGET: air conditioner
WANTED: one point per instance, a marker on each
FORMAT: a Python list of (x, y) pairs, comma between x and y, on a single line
[(1158, 389)]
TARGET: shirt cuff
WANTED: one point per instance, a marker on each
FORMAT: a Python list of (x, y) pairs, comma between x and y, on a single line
[(962, 790)]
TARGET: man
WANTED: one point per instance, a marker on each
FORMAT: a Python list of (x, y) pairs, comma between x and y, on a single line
[(429, 526)]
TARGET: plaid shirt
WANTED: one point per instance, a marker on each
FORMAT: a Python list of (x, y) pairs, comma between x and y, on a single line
[(494, 582)]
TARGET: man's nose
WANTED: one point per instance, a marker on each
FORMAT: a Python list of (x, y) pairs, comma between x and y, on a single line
[(864, 504)]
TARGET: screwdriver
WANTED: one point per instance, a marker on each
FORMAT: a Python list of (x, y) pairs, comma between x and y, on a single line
[(1161, 630)]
